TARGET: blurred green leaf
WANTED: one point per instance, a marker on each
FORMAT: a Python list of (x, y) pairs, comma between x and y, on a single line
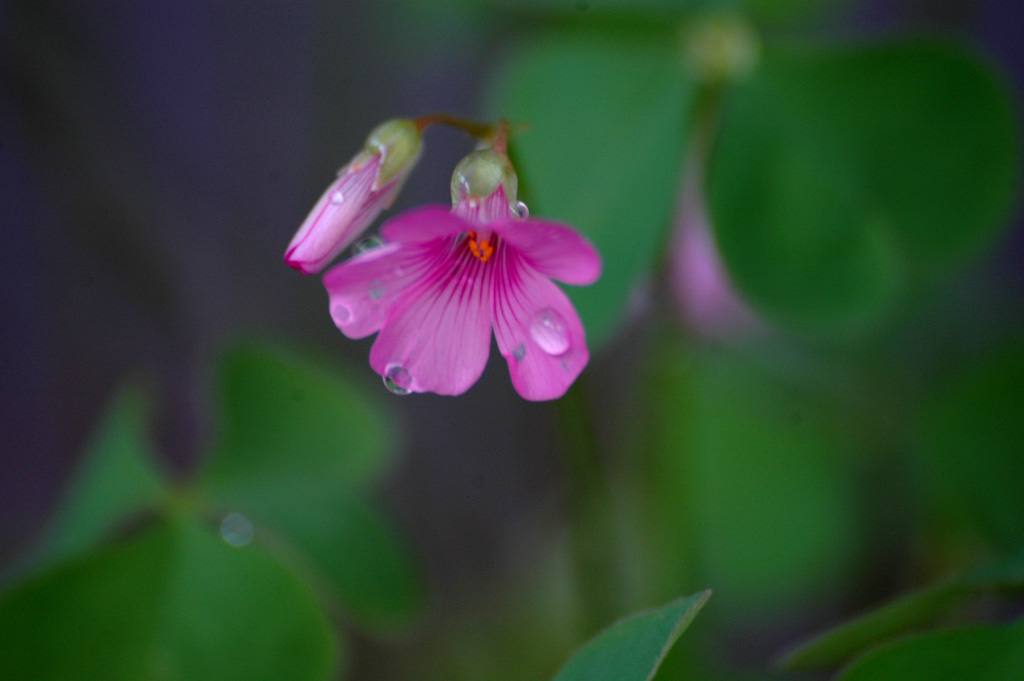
[(843, 178), (607, 114), (116, 478), (976, 653), (172, 603), (971, 439), (347, 548), (1005, 574), (772, 10), (298, 446), (749, 486), (632, 649), (669, 10), (286, 422), (904, 614), (666, 10)]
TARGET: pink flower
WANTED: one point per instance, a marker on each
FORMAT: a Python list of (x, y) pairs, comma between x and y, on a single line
[(365, 187), (445, 278)]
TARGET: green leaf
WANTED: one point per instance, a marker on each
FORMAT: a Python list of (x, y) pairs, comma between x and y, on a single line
[(116, 479), (607, 114), (904, 614), (976, 653), (907, 613), (666, 10), (748, 488), (289, 422), (970, 437), (173, 603), (845, 178), (349, 549), (1005, 574), (298, 447), (632, 649)]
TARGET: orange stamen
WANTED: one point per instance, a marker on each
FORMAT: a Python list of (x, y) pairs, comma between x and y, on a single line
[(482, 250)]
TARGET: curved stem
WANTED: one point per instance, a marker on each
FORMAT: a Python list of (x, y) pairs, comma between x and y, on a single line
[(496, 133), (481, 130), (591, 525)]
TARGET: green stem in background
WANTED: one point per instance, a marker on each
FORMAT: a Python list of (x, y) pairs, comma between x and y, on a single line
[(591, 527), (716, 50)]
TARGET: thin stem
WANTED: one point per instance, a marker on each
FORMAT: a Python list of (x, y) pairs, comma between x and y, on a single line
[(500, 137), (481, 130), (497, 134), (591, 526)]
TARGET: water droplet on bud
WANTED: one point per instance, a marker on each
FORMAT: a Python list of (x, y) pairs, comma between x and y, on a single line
[(522, 210), (549, 331), (368, 243), (398, 380), (337, 197)]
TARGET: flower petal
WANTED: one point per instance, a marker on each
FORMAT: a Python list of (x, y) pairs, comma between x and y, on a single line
[(553, 249), (537, 328), (437, 338), (363, 289), (424, 224), (344, 211)]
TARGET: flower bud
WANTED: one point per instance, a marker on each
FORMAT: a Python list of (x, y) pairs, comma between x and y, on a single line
[(365, 187), (484, 187), (721, 48)]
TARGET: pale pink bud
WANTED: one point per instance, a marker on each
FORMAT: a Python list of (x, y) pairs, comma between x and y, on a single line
[(365, 187)]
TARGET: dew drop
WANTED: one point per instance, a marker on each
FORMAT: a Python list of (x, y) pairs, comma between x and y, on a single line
[(368, 243), (522, 210), (236, 529), (337, 197), (519, 353), (548, 330), (340, 313), (397, 379)]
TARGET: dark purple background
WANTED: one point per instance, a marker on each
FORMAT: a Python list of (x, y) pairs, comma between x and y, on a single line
[(155, 159)]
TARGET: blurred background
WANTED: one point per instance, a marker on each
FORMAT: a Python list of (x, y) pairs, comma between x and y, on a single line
[(157, 157)]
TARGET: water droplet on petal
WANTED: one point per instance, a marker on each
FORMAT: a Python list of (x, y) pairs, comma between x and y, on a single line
[(397, 379), (236, 529), (368, 243), (549, 331), (340, 313), (519, 353), (522, 210), (337, 197)]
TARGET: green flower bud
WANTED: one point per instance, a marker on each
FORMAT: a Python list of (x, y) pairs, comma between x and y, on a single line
[(480, 174), (399, 143), (721, 48)]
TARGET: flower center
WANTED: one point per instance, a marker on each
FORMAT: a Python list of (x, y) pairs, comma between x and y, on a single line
[(481, 248)]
